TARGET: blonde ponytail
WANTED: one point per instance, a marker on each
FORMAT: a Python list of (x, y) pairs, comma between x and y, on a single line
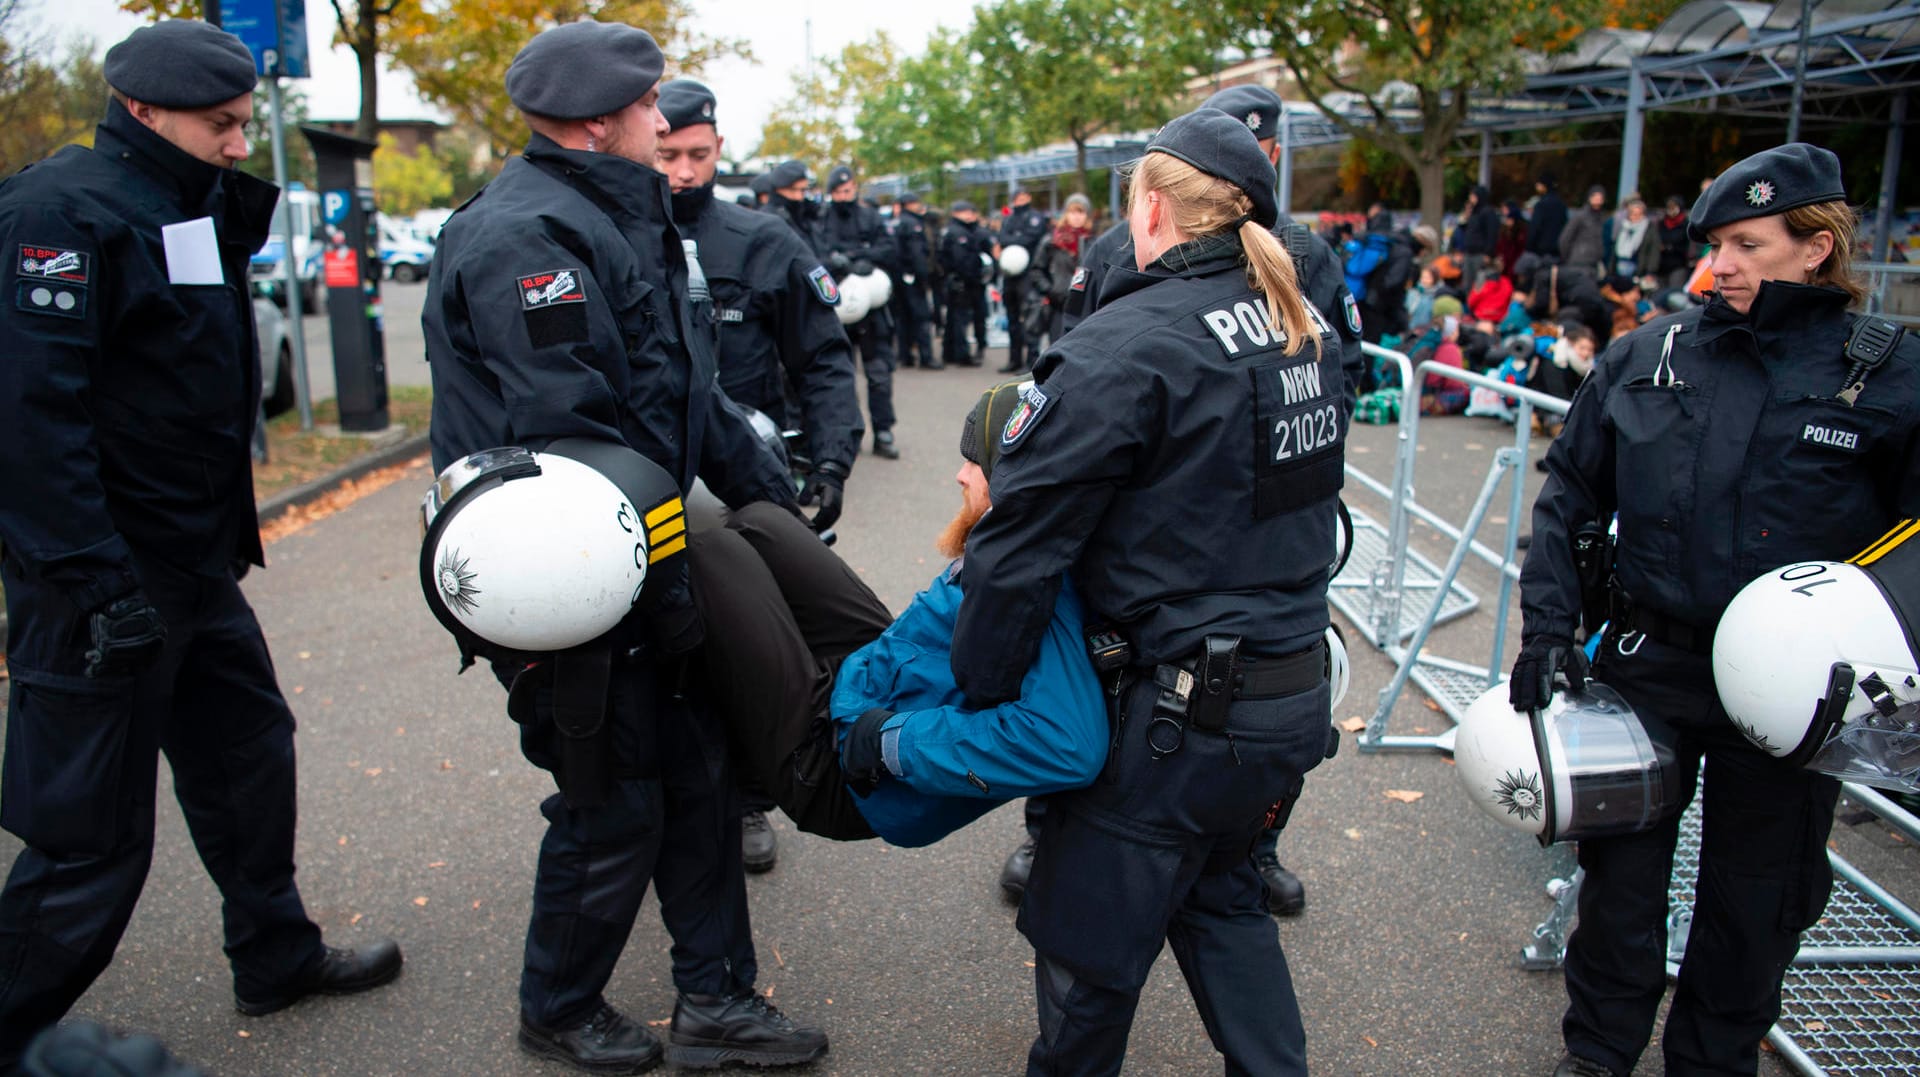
[(1203, 205)]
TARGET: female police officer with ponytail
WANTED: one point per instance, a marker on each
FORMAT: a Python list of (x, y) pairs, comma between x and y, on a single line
[(1181, 456), (1768, 427)]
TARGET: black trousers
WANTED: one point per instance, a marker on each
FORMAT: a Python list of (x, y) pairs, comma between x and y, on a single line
[(1013, 294), (81, 770), (872, 336), (1159, 846), (782, 616), (961, 314), (913, 315), (980, 305), (1764, 878)]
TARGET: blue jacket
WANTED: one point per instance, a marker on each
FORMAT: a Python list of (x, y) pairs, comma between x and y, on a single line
[(958, 764)]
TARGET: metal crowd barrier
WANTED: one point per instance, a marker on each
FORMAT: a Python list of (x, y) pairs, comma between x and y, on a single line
[(1396, 596), (1851, 998)]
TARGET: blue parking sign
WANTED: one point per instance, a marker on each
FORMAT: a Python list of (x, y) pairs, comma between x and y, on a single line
[(333, 207), (275, 31)]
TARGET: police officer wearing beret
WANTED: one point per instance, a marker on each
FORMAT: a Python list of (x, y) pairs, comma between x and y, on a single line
[(786, 190), (1323, 279), (854, 241), (558, 307), (912, 307), (1023, 226), (779, 341), (1771, 426), (962, 243), (132, 382), (1181, 456)]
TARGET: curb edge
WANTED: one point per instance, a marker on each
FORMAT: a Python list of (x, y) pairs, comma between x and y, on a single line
[(281, 503)]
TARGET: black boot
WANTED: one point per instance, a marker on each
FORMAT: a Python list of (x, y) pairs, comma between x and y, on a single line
[(759, 851), (1572, 1065), (338, 972), (1286, 895), (883, 445), (1019, 865), (710, 1031), (607, 1042)]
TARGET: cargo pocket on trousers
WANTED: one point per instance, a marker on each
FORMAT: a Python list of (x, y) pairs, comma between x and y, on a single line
[(62, 789)]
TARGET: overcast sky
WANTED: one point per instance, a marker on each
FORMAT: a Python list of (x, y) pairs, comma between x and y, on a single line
[(776, 30)]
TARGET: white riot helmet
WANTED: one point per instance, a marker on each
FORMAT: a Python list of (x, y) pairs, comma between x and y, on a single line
[(1014, 260), (1817, 663), (879, 287), (1339, 671), (540, 552), (855, 300), (1581, 768)]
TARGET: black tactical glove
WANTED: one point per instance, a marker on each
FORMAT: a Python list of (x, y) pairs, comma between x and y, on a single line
[(862, 266), (861, 766), (1546, 665), (838, 265), (826, 485), (127, 635)]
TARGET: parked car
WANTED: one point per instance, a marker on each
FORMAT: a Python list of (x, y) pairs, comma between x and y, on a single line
[(276, 355), (403, 254), (266, 270)]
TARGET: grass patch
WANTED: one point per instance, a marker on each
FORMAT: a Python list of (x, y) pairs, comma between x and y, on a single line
[(295, 456)]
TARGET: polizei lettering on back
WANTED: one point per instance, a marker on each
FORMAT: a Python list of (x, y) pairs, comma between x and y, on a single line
[(1246, 322)]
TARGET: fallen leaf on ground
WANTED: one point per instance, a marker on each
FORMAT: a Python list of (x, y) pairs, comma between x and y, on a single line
[(778, 960), (333, 501), (355, 918), (1371, 1042), (1404, 796), (476, 904), (1431, 705), (446, 764), (343, 839), (244, 1034), (304, 655), (662, 1023), (1354, 724), (1816, 1026), (1353, 833), (438, 864), (299, 688), (420, 900), (373, 772), (1420, 729)]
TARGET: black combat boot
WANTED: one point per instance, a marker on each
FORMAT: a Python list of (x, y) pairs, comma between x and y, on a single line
[(1572, 1065), (710, 1031), (759, 851), (1286, 895), (607, 1042), (1019, 865)]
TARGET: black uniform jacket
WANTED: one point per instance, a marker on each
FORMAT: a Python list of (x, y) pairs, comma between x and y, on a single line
[(855, 230), (961, 246), (1178, 462), (1024, 227), (557, 307), (775, 301), (1325, 284), (911, 249), (127, 401), (1738, 461)]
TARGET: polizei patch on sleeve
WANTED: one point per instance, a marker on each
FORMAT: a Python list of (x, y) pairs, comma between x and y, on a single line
[(1832, 437), (1026, 415), (823, 285), (555, 286)]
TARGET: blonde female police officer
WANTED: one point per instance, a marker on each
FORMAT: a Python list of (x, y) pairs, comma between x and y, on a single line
[(1768, 427), (1181, 456)]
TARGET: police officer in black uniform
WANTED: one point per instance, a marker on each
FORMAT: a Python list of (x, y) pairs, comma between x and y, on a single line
[(854, 241), (960, 249), (1768, 427), (131, 383), (912, 308), (558, 307), (1325, 283), (780, 349), (1181, 454), (1024, 227), (787, 186)]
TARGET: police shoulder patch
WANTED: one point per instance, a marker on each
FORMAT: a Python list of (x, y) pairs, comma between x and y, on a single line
[(552, 286), (53, 280), (1026, 415), (1353, 313), (1079, 280), (553, 302), (823, 285)]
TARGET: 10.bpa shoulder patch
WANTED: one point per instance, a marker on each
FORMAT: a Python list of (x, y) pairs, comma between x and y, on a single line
[(52, 280)]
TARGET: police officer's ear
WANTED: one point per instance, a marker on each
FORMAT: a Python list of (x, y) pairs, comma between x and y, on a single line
[(1819, 246)]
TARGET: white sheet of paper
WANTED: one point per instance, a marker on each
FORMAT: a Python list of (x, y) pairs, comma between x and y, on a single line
[(193, 252)]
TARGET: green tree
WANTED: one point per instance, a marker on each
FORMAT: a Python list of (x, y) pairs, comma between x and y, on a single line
[(405, 183), (819, 124), (458, 50), (927, 118), (293, 108), (358, 26), (1073, 69), (1400, 60), (46, 100)]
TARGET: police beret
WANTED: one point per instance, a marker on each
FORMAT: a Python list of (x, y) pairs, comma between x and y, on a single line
[(685, 103), (1256, 106), (962, 206), (1223, 147), (912, 198), (584, 69), (840, 174), (761, 184), (980, 437), (786, 174), (180, 63), (1772, 181)]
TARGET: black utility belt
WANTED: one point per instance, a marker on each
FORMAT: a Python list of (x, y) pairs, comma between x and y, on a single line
[(1672, 631), (1257, 678)]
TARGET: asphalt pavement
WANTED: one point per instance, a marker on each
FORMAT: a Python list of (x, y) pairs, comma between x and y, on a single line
[(419, 821)]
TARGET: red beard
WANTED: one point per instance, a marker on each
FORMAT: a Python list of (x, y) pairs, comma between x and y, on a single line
[(953, 538)]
